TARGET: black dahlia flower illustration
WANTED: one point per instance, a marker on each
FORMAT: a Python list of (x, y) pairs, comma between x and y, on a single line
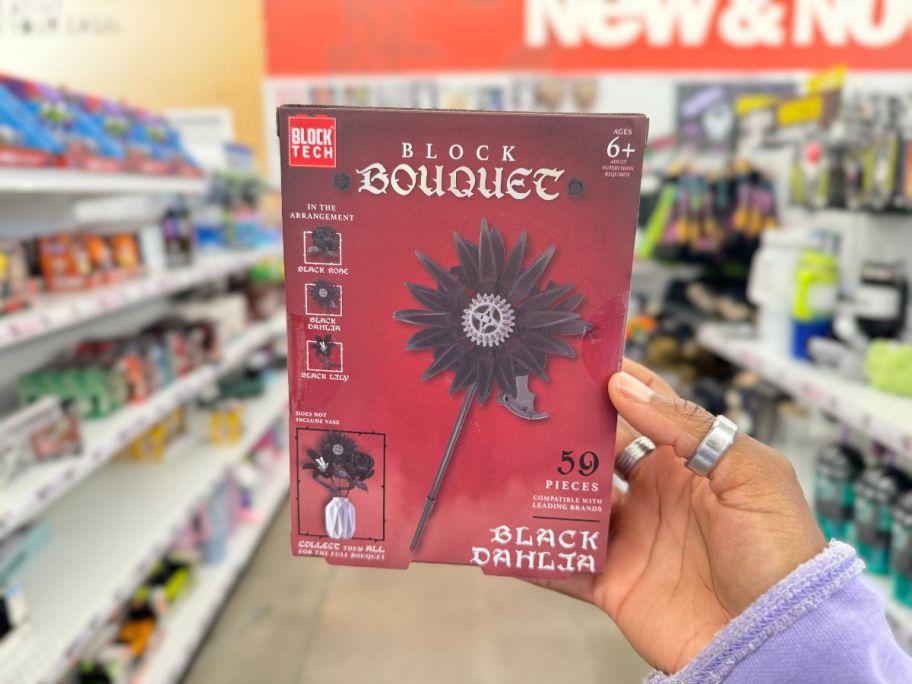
[(490, 322), (338, 465), (326, 294), (324, 350), (324, 241)]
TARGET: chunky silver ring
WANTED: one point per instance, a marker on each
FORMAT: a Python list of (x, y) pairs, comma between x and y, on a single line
[(714, 446), (632, 454)]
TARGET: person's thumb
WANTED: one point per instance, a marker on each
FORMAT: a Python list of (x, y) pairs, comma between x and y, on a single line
[(682, 425)]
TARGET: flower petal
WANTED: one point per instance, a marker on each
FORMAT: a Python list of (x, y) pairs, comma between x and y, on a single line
[(530, 277), (528, 360), (465, 374), (485, 370), (570, 303), (571, 328), (443, 278), (546, 343), (505, 373), (468, 260), (545, 319), (514, 263), (545, 299), (436, 319), (487, 259), (434, 299), (431, 337), (446, 359)]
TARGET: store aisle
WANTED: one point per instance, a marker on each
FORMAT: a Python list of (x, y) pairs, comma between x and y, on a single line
[(295, 621)]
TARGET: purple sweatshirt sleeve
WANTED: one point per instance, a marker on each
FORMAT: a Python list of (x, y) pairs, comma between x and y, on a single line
[(822, 623)]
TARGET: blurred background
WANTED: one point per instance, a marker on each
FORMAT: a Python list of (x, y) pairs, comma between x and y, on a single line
[(143, 531)]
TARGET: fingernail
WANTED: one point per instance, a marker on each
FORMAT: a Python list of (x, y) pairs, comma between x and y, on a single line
[(633, 389)]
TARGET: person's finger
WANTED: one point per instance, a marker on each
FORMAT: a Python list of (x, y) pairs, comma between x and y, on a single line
[(624, 435), (682, 425), (648, 377)]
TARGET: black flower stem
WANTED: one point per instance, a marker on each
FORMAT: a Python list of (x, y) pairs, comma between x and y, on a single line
[(444, 463)]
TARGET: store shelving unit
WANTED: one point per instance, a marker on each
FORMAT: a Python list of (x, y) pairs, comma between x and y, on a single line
[(185, 629), (52, 313), (109, 532), (76, 183), (41, 485), (883, 417)]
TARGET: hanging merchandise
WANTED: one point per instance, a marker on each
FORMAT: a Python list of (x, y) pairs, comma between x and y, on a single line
[(339, 466), (883, 186), (882, 299), (477, 388), (488, 320), (876, 492), (835, 471), (816, 292), (712, 217)]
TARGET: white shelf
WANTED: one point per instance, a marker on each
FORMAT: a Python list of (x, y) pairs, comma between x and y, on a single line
[(107, 535), (885, 418), (41, 485), (185, 629), (51, 313), (75, 182)]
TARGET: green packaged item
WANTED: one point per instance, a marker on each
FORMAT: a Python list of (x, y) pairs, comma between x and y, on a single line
[(888, 367)]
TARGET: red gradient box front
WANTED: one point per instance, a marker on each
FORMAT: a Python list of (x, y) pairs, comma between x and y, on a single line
[(454, 410)]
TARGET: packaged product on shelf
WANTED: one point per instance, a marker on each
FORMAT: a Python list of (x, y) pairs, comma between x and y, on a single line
[(901, 550), (455, 410), (835, 471), (882, 299), (876, 492), (24, 142), (17, 287), (816, 292), (177, 231), (155, 147), (44, 430), (17, 550), (65, 263), (83, 144)]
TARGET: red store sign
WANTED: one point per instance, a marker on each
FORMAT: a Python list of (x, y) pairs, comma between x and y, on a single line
[(366, 36)]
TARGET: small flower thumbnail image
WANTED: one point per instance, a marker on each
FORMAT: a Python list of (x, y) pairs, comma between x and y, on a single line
[(323, 298), (325, 354), (323, 245)]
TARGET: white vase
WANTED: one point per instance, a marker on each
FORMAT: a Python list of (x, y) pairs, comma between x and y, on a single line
[(340, 518)]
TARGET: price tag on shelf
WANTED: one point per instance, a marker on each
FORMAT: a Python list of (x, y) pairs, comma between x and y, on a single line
[(112, 299), (27, 326), (58, 316), (87, 307)]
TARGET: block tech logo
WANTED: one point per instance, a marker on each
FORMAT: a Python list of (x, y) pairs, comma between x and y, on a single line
[(312, 141)]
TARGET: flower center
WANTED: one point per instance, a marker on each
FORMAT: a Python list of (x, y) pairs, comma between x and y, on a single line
[(338, 449), (323, 292), (488, 320)]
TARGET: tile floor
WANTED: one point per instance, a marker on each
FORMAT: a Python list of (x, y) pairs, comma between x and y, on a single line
[(300, 621)]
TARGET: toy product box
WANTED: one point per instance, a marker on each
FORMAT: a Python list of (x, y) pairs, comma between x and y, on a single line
[(78, 142), (456, 287)]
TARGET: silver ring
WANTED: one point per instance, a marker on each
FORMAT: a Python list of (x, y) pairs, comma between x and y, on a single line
[(632, 454), (714, 446)]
